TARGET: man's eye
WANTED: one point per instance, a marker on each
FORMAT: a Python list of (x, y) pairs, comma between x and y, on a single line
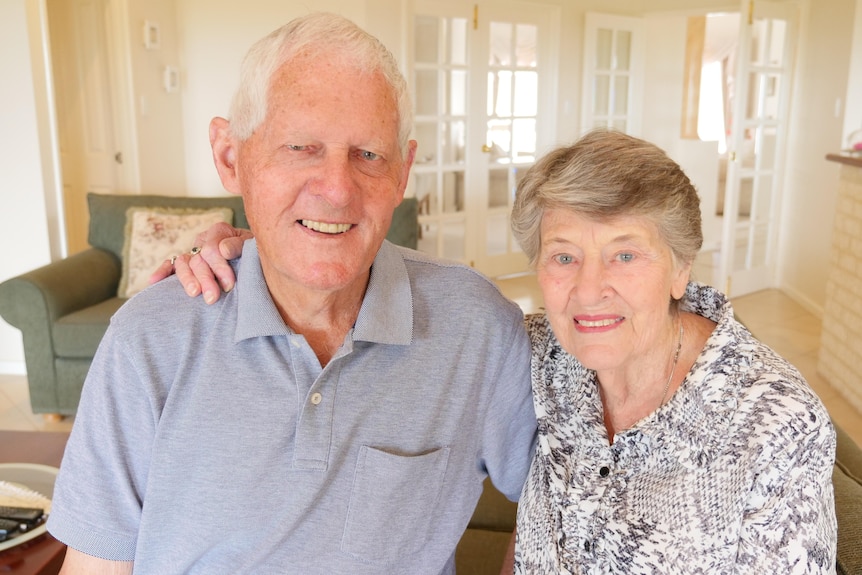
[(626, 257), (366, 155), (296, 147), (564, 259)]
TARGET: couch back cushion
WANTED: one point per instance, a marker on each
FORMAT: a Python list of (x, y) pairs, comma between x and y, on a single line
[(108, 214)]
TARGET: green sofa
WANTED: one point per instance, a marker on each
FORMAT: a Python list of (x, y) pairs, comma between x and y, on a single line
[(484, 543), (63, 308)]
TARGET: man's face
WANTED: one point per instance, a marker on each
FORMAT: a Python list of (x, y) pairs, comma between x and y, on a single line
[(321, 176)]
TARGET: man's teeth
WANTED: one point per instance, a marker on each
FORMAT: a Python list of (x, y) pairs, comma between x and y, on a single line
[(597, 323), (326, 228)]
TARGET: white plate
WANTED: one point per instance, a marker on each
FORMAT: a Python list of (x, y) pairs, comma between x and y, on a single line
[(36, 477)]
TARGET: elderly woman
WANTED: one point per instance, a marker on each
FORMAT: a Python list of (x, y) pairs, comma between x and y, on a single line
[(670, 440)]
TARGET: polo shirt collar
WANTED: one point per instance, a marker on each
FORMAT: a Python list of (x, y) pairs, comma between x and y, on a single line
[(386, 314)]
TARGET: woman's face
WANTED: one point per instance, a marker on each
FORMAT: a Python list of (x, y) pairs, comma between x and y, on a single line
[(607, 287)]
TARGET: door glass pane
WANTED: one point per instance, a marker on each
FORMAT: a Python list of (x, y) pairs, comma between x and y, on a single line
[(762, 198), (766, 147), (499, 137), (501, 44), (619, 125), (457, 104), (425, 39), (604, 48), (524, 140), (526, 93), (454, 142), (759, 247), (498, 188), (496, 234), (458, 41), (426, 143), (525, 54), (453, 240), (601, 94), (746, 191), (500, 93), (426, 194), (624, 49), (740, 249), (776, 43), (621, 95), (426, 92), (453, 192), (427, 238)]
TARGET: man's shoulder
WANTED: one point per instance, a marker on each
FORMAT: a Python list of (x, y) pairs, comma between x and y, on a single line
[(166, 306)]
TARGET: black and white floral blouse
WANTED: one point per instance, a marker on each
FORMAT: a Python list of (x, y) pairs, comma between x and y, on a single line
[(731, 475)]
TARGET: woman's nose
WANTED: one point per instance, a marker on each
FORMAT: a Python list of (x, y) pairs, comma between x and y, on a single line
[(591, 284)]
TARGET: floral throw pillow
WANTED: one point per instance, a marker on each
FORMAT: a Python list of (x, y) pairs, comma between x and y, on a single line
[(153, 235)]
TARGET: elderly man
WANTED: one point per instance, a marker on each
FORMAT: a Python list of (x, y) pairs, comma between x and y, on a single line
[(339, 409)]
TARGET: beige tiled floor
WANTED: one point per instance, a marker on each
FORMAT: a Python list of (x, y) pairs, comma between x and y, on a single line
[(772, 316)]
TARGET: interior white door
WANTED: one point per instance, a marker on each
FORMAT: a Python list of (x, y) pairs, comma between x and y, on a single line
[(485, 105), (762, 83), (613, 73), (83, 94)]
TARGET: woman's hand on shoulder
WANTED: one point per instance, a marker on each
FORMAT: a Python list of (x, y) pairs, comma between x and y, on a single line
[(210, 273)]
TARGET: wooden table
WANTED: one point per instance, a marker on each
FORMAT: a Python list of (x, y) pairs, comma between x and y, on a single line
[(44, 554)]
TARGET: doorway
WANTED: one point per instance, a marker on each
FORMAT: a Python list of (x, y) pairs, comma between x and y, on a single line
[(483, 79)]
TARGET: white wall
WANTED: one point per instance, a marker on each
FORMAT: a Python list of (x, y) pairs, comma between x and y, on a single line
[(853, 113), (215, 35), (22, 194), (811, 184)]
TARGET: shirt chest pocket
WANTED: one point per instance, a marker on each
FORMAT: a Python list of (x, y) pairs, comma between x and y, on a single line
[(392, 503)]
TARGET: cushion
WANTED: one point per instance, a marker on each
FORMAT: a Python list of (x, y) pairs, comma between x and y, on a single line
[(108, 214), (153, 235)]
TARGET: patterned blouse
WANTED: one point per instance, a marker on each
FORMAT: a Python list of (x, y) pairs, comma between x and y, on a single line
[(731, 475)]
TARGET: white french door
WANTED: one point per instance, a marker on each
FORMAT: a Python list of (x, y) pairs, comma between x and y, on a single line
[(762, 84), (613, 73), (483, 83)]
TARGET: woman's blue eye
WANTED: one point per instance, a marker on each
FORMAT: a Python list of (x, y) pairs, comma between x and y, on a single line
[(565, 259), (295, 147), (626, 257)]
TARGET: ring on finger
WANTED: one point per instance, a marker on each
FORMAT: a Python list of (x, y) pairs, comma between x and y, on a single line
[(173, 260), (195, 251)]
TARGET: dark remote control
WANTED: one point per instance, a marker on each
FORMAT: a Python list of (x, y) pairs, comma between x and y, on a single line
[(28, 515), (9, 528)]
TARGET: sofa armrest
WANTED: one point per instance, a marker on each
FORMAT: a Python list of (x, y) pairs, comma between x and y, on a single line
[(33, 301), (39, 297)]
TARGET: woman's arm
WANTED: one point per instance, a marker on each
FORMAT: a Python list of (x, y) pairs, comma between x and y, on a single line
[(790, 525), (509, 561)]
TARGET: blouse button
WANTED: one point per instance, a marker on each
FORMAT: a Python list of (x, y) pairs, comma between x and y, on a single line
[(604, 471), (587, 546)]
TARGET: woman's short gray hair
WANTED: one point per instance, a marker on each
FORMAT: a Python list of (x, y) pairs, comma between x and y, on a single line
[(608, 174), (330, 34)]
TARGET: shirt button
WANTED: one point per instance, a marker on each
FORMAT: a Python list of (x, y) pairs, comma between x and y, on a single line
[(316, 399), (604, 471), (587, 546)]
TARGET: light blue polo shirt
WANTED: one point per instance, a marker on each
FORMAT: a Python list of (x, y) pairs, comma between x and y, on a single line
[(209, 439)]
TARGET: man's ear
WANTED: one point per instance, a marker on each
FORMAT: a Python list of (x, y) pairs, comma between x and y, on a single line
[(224, 154), (405, 168)]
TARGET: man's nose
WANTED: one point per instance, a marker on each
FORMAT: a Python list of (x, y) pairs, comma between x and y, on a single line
[(336, 182)]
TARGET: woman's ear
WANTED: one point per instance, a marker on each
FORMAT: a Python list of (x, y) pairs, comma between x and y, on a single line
[(224, 149), (682, 275)]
